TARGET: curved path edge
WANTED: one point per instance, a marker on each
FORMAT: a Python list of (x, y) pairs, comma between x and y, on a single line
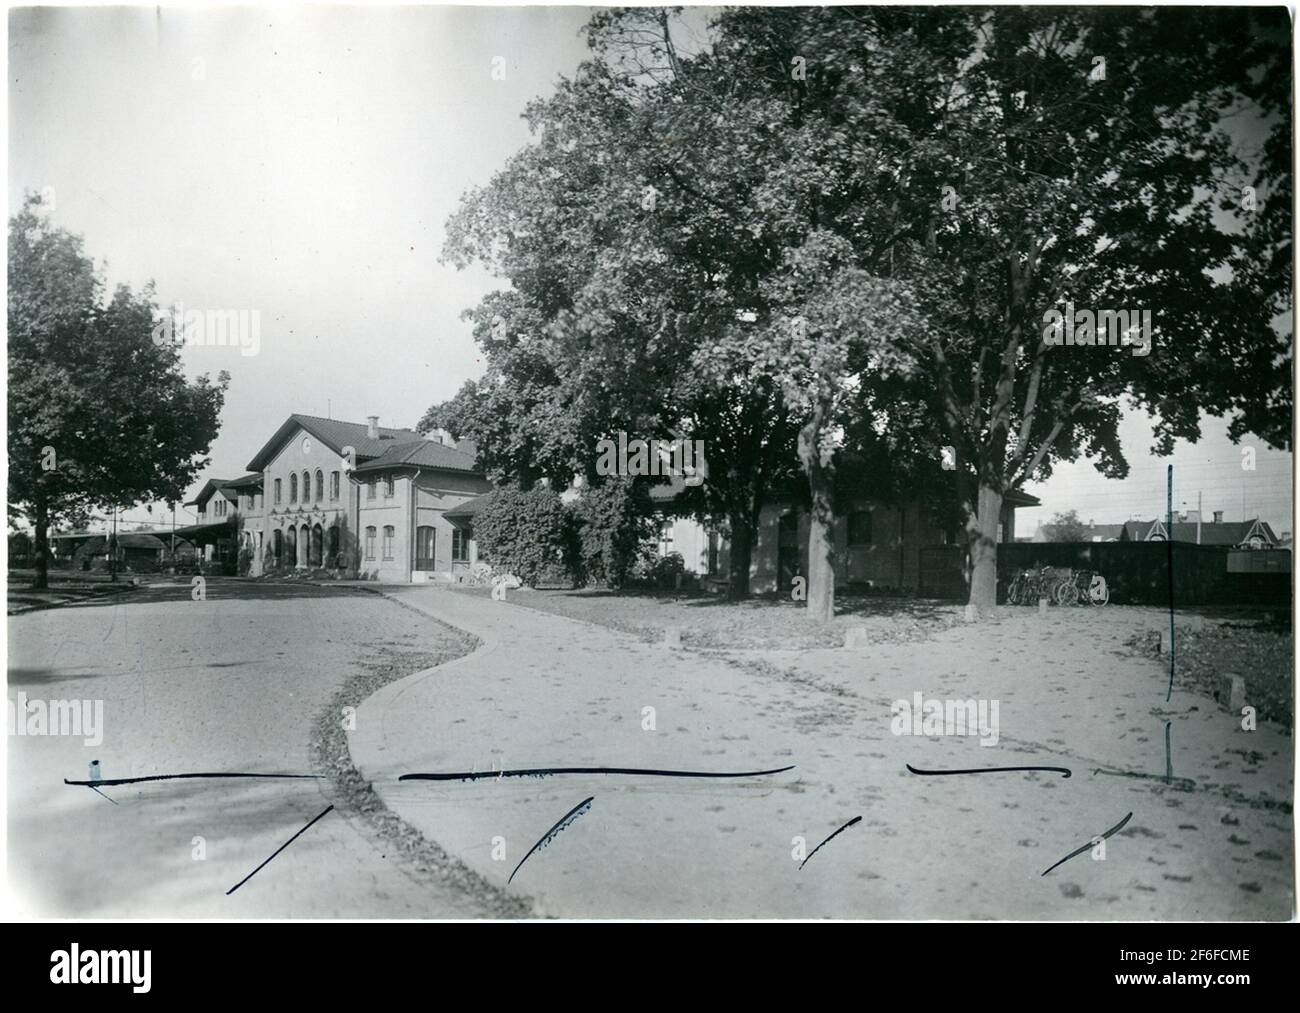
[(356, 798)]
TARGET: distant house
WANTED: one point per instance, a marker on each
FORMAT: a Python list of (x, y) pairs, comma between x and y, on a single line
[(1251, 534), (84, 550), (874, 544)]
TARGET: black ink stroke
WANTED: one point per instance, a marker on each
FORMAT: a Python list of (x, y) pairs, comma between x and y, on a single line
[(100, 794), (563, 822), (109, 782), (856, 819), (466, 775), (1092, 843), (277, 851), (1063, 771)]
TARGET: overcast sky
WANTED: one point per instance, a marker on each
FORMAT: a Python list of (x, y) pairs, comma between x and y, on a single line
[(302, 163)]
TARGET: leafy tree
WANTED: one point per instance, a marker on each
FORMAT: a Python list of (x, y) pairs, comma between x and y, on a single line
[(1005, 161), (1066, 527), (918, 187), (98, 413)]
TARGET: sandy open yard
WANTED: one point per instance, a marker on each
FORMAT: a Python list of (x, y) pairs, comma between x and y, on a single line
[(255, 678), (1209, 835)]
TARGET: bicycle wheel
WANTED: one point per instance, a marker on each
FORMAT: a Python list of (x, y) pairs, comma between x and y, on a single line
[(1064, 593)]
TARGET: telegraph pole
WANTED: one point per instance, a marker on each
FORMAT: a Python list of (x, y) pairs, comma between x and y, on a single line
[(112, 548)]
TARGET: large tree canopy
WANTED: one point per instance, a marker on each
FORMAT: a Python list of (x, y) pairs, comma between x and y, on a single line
[(832, 224), (99, 414)]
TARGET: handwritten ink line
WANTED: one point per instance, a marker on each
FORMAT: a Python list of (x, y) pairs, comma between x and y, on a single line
[(560, 824), (100, 793), (469, 775), (1063, 771), (108, 782), (278, 850), (1092, 843), (856, 819)]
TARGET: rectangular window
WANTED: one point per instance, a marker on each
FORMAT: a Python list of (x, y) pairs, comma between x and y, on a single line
[(860, 527), (425, 542), (334, 485), (388, 541), (666, 539), (388, 487), (370, 543), (460, 545), (370, 489), (277, 492)]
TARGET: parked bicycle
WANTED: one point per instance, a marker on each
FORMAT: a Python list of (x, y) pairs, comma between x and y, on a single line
[(1028, 586), (1082, 587)]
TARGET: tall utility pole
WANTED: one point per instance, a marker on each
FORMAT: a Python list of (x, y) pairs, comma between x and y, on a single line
[(112, 548), (1199, 497)]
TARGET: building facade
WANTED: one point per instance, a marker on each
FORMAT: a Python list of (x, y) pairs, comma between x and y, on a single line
[(358, 498)]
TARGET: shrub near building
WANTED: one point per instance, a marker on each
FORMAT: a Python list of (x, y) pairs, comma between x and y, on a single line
[(615, 529), (527, 533)]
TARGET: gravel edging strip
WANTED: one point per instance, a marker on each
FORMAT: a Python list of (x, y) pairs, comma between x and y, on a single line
[(353, 795)]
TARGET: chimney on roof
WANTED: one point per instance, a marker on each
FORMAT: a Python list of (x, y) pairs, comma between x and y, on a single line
[(372, 426), (1218, 517)]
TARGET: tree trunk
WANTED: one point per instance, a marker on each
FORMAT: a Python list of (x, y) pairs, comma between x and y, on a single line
[(981, 540), (740, 552), (42, 546), (821, 535)]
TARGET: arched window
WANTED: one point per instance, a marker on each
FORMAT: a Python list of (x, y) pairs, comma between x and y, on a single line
[(334, 485), (306, 486), (290, 556), (277, 545), (293, 488), (320, 485), (317, 546), (332, 546)]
